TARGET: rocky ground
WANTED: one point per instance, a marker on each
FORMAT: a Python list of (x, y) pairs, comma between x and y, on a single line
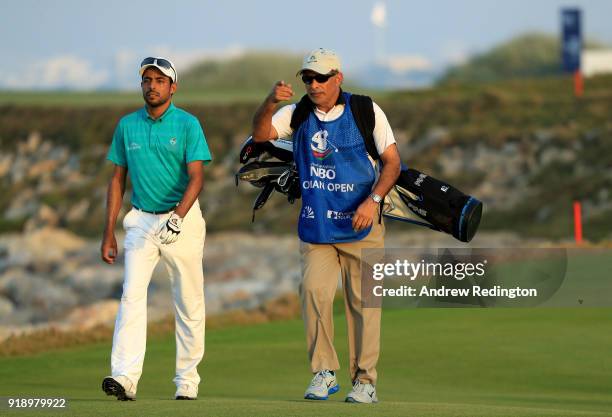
[(53, 198), (51, 277), (530, 181)]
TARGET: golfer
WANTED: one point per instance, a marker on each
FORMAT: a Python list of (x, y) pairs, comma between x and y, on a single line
[(342, 189), (163, 149)]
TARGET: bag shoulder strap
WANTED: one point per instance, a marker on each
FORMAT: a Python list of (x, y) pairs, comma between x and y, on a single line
[(301, 112), (363, 113)]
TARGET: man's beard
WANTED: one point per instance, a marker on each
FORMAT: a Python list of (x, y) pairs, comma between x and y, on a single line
[(157, 103)]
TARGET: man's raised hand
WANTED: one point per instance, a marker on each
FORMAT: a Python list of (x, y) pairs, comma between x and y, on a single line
[(281, 92)]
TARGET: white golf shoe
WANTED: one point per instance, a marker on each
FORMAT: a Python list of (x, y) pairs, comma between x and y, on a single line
[(323, 384), (362, 393), (186, 392)]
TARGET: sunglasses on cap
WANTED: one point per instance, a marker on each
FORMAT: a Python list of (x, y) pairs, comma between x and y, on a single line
[(319, 78), (157, 61)]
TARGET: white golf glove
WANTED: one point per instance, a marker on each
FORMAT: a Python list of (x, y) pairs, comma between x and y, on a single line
[(169, 232)]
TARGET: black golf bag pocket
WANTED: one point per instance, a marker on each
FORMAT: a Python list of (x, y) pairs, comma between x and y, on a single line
[(441, 206)]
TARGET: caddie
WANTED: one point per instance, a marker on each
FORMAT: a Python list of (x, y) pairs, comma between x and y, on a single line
[(163, 149), (342, 188)]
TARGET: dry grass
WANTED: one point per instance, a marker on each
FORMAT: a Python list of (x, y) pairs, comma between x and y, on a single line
[(283, 308)]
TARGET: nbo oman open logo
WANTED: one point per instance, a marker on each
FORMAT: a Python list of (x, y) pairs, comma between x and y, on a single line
[(320, 145)]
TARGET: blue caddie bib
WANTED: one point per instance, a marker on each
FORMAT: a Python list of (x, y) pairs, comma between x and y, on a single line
[(336, 176)]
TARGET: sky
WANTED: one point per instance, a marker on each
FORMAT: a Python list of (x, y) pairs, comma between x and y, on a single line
[(88, 45)]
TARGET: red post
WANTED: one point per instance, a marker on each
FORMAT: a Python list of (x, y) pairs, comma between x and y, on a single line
[(578, 222), (578, 84)]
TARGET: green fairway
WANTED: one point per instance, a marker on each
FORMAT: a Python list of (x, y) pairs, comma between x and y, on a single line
[(434, 362)]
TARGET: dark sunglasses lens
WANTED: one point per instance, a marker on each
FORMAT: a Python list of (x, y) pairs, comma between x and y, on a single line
[(321, 78), (163, 63), (160, 62)]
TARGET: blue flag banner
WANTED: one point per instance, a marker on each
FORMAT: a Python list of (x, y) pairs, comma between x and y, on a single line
[(571, 33)]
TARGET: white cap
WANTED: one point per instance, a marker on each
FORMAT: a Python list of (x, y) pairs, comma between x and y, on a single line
[(321, 61), (163, 64)]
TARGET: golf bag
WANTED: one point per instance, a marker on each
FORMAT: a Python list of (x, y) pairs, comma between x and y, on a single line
[(418, 198), (269, 165), (415, 198)]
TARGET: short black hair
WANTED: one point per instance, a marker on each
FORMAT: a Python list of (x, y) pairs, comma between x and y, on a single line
[(160, 71)]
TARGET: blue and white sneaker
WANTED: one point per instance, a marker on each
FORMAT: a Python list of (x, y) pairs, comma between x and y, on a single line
[(362, 393), (323, 384)]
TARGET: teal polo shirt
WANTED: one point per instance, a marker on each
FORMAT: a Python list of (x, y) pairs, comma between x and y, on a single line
[(156, 153)]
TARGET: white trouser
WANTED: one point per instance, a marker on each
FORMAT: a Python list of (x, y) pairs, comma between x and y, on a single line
[(183, 260)]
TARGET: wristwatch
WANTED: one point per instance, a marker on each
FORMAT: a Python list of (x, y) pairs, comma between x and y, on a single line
[(377, 199)]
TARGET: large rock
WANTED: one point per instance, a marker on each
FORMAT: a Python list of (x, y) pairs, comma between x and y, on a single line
[(30, 145), (45, 217), (42, 167), (83, 318), (6, 307), (95, 282), (44, 299), (5, 164), (19, 169), (23, 204), (44, 245), (78, 211)]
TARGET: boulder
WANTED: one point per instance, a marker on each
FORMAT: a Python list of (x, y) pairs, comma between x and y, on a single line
[(6, 307), (45, 217), (92, 315), (44, 299), (46, 166), (44, 245), (5, 164), (23, 204), (78, 211), (31, 144), (95, 282)]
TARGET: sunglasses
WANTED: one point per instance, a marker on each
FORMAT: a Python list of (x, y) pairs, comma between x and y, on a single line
[(319, 78), (157, 61), (160, 62)]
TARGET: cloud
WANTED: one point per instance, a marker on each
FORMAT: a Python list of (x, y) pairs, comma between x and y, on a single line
[(455, 52), (127, 61), (119, 72), (65, 71), (379, 15), (186, 58), (402, 64), (126, 69)]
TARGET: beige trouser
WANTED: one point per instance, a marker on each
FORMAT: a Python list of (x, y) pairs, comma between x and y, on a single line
[(321, 264)]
